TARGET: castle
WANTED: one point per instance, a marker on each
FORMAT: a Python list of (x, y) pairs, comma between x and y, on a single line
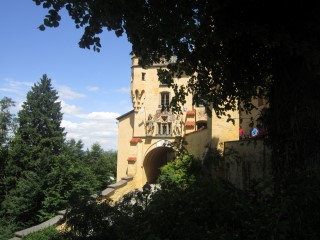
[(145, 133)]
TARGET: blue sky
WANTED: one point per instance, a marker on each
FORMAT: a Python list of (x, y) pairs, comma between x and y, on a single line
[(93, 87)]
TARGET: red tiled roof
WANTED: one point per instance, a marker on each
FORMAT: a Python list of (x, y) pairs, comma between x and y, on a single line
[(189, 124), (132, 159), (135, 140), (191, 113)]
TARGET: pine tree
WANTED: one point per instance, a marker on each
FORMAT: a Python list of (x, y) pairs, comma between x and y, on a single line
[(6, 125), (38, 141), (40, 120)]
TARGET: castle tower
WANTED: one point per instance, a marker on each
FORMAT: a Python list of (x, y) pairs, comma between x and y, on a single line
[(145, 133)]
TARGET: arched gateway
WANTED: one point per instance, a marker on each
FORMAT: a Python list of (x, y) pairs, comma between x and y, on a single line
[(154, 160)]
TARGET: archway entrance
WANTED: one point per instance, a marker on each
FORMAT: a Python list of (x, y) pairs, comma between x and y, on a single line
[(154, 160)]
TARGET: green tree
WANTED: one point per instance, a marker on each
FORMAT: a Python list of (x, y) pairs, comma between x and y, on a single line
[(6, 126), (6, 119), (50, 233), (70, 180), (178, 174), (103, 164), (38, 141), (239, 50)]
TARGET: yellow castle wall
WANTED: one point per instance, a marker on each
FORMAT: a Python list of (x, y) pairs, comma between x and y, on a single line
[(197, 142), (125, 128), (222, 131)]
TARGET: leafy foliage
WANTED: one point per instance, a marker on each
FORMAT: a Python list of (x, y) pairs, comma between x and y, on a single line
[(178, 173), (6, 228), (103, 165), (214, 210), (90, 220), (49, 233), (69, 181), (243, 39)]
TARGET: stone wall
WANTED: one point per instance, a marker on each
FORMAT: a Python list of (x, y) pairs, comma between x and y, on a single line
[(197, 142), (246, 161)]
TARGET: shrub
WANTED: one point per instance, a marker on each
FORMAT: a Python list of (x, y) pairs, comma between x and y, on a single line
[(178, 173), (49, 233)]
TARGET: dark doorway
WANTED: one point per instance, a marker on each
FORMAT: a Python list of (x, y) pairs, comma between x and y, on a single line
[(154, 160)]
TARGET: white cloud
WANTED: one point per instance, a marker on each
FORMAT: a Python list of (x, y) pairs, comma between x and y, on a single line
[(93, 88), (95, 127), (16, 89), (124, 90), (67, 93), (15, 84), (102, 115), (69, 109), (92, 127), (10, 90)]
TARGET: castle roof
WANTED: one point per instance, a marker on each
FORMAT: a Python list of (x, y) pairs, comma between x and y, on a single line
[(124, 115)]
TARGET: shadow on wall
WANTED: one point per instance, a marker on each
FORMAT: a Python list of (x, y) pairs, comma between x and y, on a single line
[(212, 161), (246, 161)]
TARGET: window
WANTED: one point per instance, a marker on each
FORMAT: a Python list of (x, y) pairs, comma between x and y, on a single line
[(201, 125), (143, 76), (164, 120), (164, 128), (165, 99)]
